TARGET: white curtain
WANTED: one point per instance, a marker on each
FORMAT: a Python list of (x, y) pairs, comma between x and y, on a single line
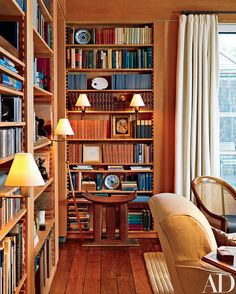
[(197, 123)]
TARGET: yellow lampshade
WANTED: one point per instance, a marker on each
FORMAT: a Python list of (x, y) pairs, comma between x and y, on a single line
[(137, 101), (82, 101), (24, 172), (63, 127)]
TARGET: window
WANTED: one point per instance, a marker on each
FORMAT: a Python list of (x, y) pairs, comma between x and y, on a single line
[(227, 102)]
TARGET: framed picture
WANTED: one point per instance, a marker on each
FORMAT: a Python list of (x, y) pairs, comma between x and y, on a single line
[(121, 126), (92, 153)]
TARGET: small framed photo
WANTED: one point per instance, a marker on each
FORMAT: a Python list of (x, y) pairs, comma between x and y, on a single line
[(121, 126), (92, 153)]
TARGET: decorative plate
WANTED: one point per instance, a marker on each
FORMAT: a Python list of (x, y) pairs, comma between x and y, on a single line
[(82, 36), (99, 83), (112, 182)]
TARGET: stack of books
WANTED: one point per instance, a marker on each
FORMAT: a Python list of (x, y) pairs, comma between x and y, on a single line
[(88, 185), (129, 186)]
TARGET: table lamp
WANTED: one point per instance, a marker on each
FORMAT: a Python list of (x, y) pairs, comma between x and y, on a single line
[(137, 102), (83, 102), (63, 129), (24, 172)]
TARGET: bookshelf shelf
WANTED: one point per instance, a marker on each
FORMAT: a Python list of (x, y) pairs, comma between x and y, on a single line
[(112, 140), (43, 235), (6, 159), (41, 92), (8, 90), (112, 171), (39, 145), (40, 46), (108, 112), (11, 73), (111, 91), (115, 191), (105, 164), (110, 45), (20, 285), (12, 124), (6, 229), (110, 70), (11, 7), (39, 190), (45, 11), (6, 191), (12, 57)]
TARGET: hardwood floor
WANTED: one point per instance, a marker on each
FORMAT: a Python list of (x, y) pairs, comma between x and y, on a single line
[(105, 270)]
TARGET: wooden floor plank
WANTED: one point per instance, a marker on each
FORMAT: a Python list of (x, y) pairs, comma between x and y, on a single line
[(78, 269), (108, 271), (125, 280), (64, 267), (92, 283), (140, 276)]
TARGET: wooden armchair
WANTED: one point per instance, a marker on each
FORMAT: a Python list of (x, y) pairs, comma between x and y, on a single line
[(217, 201)]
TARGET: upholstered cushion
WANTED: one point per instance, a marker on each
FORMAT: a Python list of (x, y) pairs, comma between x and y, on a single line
[(231, 222)]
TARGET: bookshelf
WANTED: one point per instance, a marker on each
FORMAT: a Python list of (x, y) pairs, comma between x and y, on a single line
[(13, 129), (28, 88), (121, 58)]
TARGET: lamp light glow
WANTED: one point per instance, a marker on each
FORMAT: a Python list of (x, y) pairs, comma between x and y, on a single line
[(82, 102), (137, 102), (24, 172), (63, 127)]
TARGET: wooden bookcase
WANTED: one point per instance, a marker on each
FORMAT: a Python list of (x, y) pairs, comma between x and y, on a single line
[(35, 97), (121, 57)]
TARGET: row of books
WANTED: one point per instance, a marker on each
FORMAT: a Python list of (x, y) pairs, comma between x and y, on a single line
[(90, 129), (84, 216), (116, 153), (111, 35), (145, 181), (109, 58), (7, 63), (10, 82), (42, 73), (10, 109), (142, 128), (127, 153), (44, 264), (131, 81), (12, 259), (8, 209), (107, 101), (41, 25), (139, 220), (78, 81), (11, 140)]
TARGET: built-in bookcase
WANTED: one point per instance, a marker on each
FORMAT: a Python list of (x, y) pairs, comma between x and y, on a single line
[(13, 99), (28, 256), (112, 151)]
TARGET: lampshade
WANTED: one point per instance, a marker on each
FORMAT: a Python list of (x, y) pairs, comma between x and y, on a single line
[(82, 101), (24, 172), (63, 127), (137, 101)]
